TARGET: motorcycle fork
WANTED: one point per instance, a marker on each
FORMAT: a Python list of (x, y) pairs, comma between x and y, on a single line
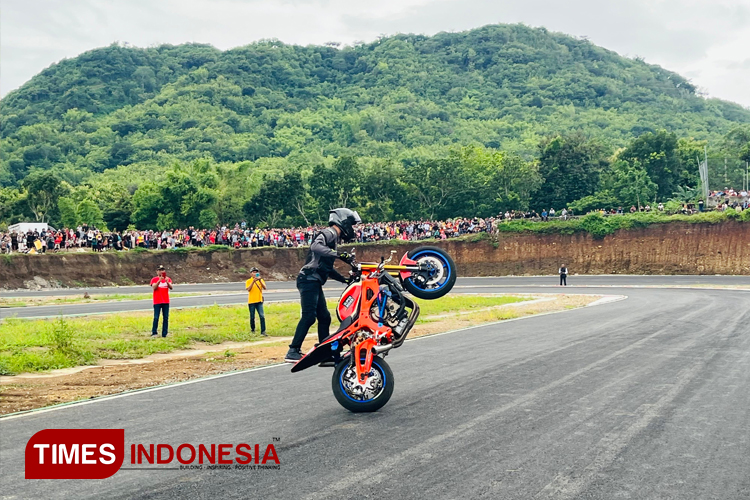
[(363, 366)]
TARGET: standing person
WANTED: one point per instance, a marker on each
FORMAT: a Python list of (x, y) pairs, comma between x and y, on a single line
[(563, 275), (314, 274), (161, 284), (255, 287)]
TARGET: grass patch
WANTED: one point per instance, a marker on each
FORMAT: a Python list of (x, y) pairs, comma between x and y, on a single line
[(37, 345), (600, 226), (47, 301), (462, 303), (54, 345)]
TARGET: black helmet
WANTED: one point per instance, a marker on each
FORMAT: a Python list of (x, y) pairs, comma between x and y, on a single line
[(345, 219)]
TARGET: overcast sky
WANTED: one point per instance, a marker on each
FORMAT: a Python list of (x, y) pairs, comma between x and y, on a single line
[(707, 41)]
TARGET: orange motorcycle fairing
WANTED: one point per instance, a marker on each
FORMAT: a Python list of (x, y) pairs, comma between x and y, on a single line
[(349, 301), (366, 293)]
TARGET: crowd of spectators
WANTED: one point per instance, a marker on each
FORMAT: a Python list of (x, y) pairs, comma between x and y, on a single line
[(533, 215), (239, 236), (729, 199), (730, 194), (243, 236)]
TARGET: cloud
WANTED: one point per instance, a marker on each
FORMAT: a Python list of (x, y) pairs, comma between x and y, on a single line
[(700, 38), (730, 65)]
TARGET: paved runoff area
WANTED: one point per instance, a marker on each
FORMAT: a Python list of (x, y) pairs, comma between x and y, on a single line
[(645, 398)]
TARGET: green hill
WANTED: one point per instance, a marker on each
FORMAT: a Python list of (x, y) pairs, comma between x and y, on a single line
[(404, 99)]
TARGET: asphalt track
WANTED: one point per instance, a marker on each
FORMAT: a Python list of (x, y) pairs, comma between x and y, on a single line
[(234, 293), (643, 398)]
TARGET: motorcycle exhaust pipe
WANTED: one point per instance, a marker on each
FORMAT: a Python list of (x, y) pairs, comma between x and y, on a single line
[(380, 349)]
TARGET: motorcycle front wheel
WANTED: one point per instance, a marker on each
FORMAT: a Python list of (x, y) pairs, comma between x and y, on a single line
[(368, 398), (439, 277)]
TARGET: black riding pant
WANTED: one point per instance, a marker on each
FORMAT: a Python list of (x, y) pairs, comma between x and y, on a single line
[(563, 280), (314, 308)]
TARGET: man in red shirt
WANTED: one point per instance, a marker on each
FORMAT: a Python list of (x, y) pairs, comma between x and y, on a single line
[(161, 285)]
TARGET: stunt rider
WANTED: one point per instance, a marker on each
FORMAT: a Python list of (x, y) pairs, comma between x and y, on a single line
[(314, 274)]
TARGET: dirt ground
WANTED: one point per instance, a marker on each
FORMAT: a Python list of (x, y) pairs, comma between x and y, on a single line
[(37, 392)]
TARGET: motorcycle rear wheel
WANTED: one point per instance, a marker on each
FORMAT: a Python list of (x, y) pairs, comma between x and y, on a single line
[(345, 390)]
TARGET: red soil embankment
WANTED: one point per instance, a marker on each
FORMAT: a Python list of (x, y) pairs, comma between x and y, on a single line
[(675, 248)]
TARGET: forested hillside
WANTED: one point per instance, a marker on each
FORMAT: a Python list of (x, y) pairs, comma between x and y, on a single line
[(500, 117)]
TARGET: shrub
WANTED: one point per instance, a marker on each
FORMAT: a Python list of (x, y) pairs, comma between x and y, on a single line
[(600, 226), (730, 214), (672, 207), (61, 335)]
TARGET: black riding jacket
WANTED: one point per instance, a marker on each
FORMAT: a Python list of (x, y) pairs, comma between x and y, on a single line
[(321, 257)]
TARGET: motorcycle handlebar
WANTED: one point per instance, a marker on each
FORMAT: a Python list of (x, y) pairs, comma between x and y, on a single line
[(357, 267)]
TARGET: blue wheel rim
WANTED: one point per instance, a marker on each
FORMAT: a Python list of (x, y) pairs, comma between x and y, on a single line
[(446, 266)]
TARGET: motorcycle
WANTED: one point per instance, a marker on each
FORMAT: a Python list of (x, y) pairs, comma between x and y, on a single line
[(376, 316)]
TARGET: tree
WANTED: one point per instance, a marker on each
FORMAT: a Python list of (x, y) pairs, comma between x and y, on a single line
[(745, 153), (436, 186), (604, 199), (43, 189), (336, 186), (737, 139), (89, 213), (207, 218), (117, 218), (500, 181), (68, 212), (120, 154), (657, 154), (147, 205), (184, 199), (12, 205), (74, 118), (633, 185), (146, 77), (689, 154), (276, 200), (571, 167), (685, 194), (736, 145), (382, 189)]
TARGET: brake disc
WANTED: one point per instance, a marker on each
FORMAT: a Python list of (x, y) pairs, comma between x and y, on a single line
[(365, 391), (437, 267)]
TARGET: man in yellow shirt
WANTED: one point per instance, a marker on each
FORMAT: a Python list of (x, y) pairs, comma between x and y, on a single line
[(255, 287)]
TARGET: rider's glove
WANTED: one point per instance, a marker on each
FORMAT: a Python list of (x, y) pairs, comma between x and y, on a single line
[(346, 257)]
